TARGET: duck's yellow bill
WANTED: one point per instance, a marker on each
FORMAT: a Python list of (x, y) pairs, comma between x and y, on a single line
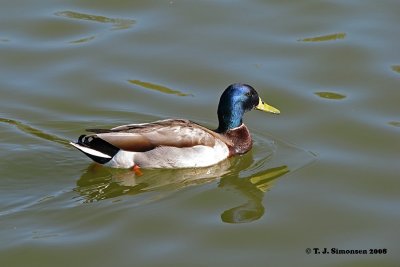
[(267, 108)]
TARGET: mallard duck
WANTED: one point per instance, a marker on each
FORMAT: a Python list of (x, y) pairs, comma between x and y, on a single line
[(178, 143)]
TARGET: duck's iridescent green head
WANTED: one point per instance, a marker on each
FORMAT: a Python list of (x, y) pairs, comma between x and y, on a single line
[(235, 101)]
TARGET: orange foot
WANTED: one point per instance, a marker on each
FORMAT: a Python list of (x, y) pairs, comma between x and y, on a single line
[(137, 170)]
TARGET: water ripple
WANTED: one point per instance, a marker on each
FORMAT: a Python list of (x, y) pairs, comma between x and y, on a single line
[(35, 132), (157, 87), (83, 40), (324, 38), (117, 23), (330, 95), (396, 68), (394, 123)]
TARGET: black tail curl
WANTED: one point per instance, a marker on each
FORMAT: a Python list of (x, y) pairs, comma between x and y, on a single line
[(98, 144)]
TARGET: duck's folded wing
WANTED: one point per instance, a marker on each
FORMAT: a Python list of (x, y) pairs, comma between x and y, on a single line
[(144, 137)]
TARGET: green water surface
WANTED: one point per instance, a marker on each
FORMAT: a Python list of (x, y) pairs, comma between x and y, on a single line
[(323, 174)]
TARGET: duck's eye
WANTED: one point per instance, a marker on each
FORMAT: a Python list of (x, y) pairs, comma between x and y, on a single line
[(248, 94)]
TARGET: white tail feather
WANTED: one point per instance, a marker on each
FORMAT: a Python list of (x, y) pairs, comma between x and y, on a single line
[(90, 151)]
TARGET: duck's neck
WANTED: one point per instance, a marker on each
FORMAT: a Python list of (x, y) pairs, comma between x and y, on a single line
[(229, 118)]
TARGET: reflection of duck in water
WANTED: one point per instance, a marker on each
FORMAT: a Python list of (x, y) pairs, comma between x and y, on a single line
[(252, 189), (99, 183), (176, 143)]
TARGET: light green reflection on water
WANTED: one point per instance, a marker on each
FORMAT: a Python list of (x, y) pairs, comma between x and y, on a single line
[(118, 24), (253, 189), (396, 68), (394, 123), (330, 95), (157, 87), (324, 38), (83, 40)]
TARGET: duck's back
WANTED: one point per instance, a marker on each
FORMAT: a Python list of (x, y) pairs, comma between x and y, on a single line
[(147, 136), (172, 143)]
